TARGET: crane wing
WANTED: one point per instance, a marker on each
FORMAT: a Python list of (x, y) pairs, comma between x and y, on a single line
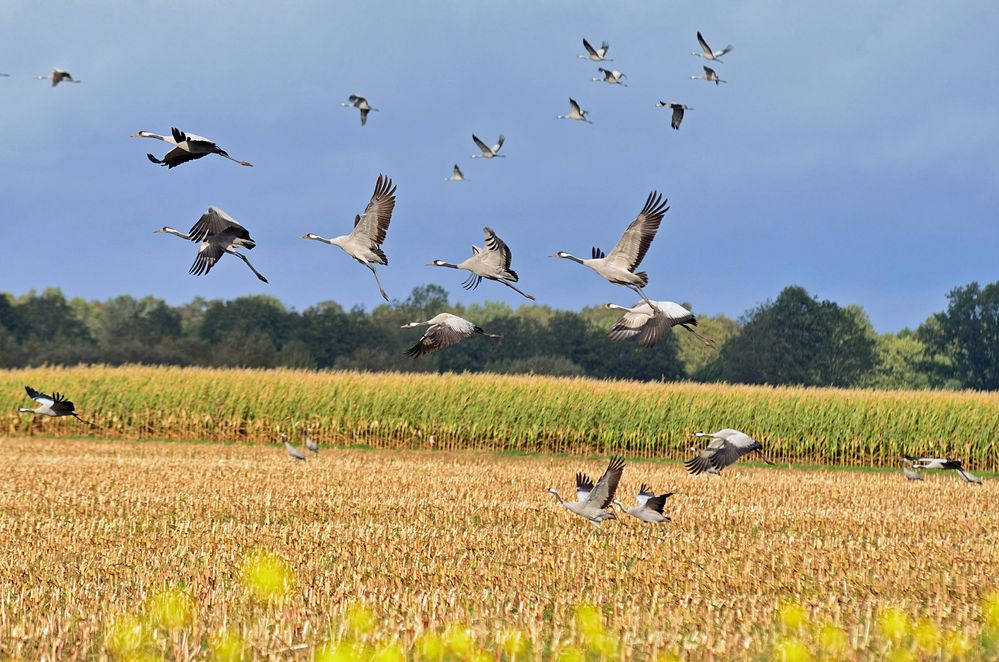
[(61, 405), (677, 116), (589, 49), (584, 485), (658, 325), (39, 397), (656, 503), (438, 336), (499, 143), (497, 246), (374, 222), (176, 156), (730, 452), (635, 242), (704, 44), (481, 145), (214, 222), (574, 107), (208, 255), (631, 323), (605, 489)]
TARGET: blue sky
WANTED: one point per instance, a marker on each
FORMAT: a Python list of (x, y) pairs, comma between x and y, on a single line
[(854, 150)]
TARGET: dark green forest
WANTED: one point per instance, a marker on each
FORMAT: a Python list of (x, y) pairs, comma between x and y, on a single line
[(794, 338)]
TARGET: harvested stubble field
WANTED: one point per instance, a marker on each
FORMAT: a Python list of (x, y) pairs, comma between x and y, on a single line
[(94, 531)]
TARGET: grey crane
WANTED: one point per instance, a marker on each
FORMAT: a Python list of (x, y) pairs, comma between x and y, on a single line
[(619, 266), (491, 262), (909, 472), (5, 75), (709, 75), (678, 109), (444, 330), (359, 102), (50, 405), (575, 113), (611, 77), (943, 463), (58, 76), (592, 500), (725, 448), (364, 243), (650, 506), (187, 147), (456, 175), (648, 322), (706, 51), (217, 233), (309, 444), (293, 453), (595, 54), (488, 152)]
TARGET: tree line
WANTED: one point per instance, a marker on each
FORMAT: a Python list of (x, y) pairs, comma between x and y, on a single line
[(793, 339)]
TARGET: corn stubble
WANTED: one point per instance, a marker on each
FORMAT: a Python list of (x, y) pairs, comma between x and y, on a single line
[(451, 412), (192, 551)]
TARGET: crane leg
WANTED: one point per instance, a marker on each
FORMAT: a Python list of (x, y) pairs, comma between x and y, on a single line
[(243, 258), (375, 274), (524, 294), (704, 339)]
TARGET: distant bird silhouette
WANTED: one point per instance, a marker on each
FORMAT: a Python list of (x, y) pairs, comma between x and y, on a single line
[(488, 152), (678, 109), (456, 175), (294, 453), (50, 405), (575, 113), (710, 76), (706, 51), (595, 54), (187, 147), (57, 76), (943, 463), (359, 102), (611, 77), (444, 330)]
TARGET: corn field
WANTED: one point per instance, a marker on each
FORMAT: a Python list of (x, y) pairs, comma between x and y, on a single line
[(553, 415), (174, 551)]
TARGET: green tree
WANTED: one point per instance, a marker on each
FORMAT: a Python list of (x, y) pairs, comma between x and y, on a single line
[(797, 339), (965, 337)]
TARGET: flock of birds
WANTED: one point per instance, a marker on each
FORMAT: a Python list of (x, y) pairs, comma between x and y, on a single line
[(216, 233)]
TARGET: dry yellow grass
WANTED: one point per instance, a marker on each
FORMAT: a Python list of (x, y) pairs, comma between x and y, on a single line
[(94, 533)]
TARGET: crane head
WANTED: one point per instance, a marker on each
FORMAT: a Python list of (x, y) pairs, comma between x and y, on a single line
[(309, 235)]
